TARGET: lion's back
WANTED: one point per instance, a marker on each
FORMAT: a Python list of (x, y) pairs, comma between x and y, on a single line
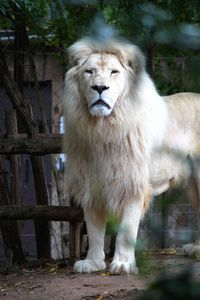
[(184, 121)]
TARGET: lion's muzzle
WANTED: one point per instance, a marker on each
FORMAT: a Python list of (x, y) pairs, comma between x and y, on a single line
[(101, 102)]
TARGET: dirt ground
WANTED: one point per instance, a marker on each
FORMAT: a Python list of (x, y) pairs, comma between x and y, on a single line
[(57, 281)]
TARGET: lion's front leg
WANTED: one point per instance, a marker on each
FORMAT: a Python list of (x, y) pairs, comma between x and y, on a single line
[(95, 256), (124, 257)]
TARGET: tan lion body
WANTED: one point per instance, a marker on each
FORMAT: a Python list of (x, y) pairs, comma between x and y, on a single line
[(180, 140), (116, 129)]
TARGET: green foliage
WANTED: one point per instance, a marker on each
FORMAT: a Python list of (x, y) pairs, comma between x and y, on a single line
[(68, 22), (168, 29), (146, 265), (163, 28), (28, 10), (179, 286), (112, 225), (61, 21)]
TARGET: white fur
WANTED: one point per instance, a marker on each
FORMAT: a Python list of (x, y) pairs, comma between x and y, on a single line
[(101, 76), (124, 257), (95, 257), (111, 152)]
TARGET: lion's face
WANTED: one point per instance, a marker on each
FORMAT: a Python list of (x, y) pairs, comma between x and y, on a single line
[(103, 73), (102, 83)]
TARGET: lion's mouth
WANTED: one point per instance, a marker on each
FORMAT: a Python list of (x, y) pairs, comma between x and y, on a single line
[(101, 102)]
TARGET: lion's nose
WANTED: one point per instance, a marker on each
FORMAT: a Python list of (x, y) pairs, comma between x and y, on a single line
[(100, 88)]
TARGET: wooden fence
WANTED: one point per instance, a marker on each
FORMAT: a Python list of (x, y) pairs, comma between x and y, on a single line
[(11, 209)]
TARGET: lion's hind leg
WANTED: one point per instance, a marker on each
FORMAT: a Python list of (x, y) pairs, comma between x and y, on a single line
[(193, 249)]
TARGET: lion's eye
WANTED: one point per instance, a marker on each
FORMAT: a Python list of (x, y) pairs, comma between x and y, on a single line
[(88, 71), (114, 71)]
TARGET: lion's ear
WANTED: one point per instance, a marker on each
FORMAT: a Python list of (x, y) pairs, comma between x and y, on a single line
[(79, 52), (135, 58)]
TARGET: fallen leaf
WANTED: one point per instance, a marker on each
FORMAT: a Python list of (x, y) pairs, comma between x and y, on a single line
[(52, 270)]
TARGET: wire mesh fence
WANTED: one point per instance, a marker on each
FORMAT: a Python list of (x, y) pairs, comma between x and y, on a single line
[(176, 228)]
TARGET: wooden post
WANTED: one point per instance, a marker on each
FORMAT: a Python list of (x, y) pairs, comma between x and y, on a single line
[(41, 227), (10, 233), (15, 167), (15, 184), (75, 239)]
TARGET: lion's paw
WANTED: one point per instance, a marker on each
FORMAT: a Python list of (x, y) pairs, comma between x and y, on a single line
[(89, 266), (192, 250), (122, 267)]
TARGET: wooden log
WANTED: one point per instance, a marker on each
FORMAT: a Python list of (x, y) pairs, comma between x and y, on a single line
[(42, 212), (23, 145)]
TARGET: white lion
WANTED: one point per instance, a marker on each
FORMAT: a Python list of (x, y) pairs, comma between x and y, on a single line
[(115, 126)]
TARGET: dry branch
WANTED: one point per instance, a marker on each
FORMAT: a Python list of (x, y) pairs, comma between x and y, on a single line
[(48, 144), (22, 105), (41, 212)]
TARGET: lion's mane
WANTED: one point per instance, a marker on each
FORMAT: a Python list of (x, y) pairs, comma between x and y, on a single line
[(108, 157)]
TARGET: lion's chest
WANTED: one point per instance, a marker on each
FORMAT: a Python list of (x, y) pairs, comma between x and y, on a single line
[(107, 173)]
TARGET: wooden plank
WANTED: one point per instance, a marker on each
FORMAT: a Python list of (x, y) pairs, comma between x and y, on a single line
[(46, 144), (42, 212)]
